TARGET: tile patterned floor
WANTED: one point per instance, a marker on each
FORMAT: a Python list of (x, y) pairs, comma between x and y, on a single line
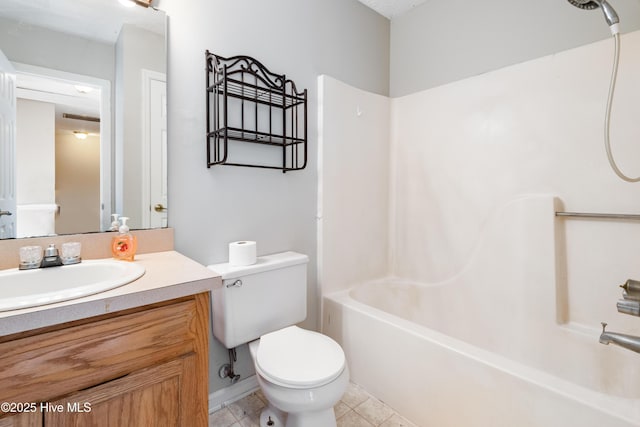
[(356, 409)]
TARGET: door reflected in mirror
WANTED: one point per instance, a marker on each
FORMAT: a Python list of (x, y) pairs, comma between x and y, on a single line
[(90, 117)]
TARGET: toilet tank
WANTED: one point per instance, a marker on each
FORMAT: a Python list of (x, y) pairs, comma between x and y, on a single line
[(260, 298)]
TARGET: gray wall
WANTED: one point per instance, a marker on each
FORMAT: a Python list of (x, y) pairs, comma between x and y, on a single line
[(211, 207), (444, 41)]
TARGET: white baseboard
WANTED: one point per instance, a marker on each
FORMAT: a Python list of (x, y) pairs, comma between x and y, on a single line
[(221, 398)]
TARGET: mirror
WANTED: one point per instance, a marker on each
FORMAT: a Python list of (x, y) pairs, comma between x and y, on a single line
[(95, 70)]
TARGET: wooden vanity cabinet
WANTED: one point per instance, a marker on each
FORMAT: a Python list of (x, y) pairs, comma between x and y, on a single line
[(22, 420), (140, 367)]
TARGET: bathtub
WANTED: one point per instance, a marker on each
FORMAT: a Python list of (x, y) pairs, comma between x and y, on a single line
[(487, 347)]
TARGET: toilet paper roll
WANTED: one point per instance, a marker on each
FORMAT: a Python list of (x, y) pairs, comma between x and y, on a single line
[(242, 253)]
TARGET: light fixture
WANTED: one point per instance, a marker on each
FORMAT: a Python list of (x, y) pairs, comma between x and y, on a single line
[(131, 3), (144, 3), (80, 134)]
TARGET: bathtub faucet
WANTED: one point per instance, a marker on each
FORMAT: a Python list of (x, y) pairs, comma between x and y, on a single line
[(623, 340)]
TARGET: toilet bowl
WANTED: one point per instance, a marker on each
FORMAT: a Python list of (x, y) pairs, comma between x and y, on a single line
[(303, 374)]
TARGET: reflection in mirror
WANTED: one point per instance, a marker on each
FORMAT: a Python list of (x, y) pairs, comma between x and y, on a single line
[(58, 143), (90, 116)]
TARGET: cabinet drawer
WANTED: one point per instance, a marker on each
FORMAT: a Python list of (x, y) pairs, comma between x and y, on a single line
[(40, 367)]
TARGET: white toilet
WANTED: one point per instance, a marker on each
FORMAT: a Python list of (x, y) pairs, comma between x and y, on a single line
[(302, 373)]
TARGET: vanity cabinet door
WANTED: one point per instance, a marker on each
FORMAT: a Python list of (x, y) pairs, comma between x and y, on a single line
[(151, 397), (22, 420), (146, 366)]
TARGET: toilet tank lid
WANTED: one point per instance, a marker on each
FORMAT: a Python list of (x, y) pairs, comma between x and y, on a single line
[(263, 263)]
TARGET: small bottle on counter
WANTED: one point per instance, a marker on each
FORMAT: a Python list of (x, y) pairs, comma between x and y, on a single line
[(115, 225), (124, 245)]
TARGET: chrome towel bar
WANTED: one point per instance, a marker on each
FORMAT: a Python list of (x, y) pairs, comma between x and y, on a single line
[(631, 217)]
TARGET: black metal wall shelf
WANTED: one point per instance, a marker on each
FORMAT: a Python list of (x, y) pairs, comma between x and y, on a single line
[(247, 103)]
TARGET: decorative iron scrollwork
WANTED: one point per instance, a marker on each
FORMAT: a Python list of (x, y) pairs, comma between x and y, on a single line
[(248, 103)]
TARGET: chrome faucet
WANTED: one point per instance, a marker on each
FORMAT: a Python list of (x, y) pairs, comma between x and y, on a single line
[(34, 257), (629, 342), (51, 257)]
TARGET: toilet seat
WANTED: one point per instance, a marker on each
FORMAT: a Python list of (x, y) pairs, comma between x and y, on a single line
[(297, 358)]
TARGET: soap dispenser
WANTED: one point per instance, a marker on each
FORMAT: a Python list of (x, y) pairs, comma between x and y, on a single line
[(115, 224), (123, 245)]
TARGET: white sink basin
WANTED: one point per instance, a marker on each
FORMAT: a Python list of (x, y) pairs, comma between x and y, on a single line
[(31, 288)]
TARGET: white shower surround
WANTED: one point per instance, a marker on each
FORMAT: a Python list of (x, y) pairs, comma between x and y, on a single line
[(461, 150), (486, 337), (465, 148)]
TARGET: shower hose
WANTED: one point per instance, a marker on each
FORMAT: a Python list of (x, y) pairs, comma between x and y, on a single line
[(607, 119)]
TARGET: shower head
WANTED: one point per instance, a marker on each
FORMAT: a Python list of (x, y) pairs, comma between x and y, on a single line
[(609, 13), (584, 4)]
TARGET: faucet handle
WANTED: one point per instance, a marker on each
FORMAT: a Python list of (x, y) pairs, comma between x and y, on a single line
[(631, 286), (70, 253), (604, 325), (30, 257)]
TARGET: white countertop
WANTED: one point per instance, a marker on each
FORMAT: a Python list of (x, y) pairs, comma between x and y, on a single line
[(168, 275)]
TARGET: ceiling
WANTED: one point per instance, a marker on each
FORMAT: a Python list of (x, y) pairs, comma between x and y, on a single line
[(68, 99), (103, 19), (392, 8), (96, 19)]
